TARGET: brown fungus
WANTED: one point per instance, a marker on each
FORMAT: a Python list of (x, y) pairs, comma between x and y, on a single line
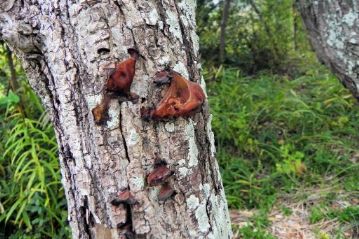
[(100, 112), (182, 98), (124, 197), (166, 192), (118, 84), (159, 175), (121, 78)]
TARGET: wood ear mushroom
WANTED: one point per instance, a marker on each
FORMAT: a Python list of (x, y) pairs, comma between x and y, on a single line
[(183, 97), (121, 78), (159, 175), (165, 192), (118, 84), (124, 197), (100, 112)]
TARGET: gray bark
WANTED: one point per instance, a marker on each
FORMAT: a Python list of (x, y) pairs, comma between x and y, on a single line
[(64, 46), (333, 28)]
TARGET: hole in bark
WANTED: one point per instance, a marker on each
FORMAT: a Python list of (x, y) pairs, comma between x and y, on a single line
[(103, 51), (126, 228), (85, 220)]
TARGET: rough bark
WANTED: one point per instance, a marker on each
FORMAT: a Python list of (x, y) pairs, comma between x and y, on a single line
[(63, 46), (333, 28)]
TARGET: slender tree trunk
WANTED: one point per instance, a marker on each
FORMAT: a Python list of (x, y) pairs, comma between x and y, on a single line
[(63, 46), (225, 15), (295, 27), (273, 47), (333, 28)]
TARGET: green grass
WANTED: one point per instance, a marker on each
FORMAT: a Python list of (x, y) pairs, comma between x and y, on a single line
[(276, 135)]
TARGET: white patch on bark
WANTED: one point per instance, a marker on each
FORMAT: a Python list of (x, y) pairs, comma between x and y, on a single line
[(113, 114), (181, 68), (137, 183), (140, 84), (207, 189), (192, 202), (202, 218), (211, 135), (7, 5), (192, 146), (84, 182), (334, 38), (164, 61), (183, 171), (160, 25), (170, 127), (131, 10), (152, 17), (153, 193), (133, 138), (93, 100), (354, 38), (219, 217), (350, 18), (195, 39), (174, 27)]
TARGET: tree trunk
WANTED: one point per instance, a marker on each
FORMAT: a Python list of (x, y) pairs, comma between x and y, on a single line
[(225, 15), (295, 27), (333, 28), (64, 46)]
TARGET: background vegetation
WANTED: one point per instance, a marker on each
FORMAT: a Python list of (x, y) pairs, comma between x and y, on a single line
[(286, 130)]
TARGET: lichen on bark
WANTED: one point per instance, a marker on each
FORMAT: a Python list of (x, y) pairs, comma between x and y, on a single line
[(333, 29)]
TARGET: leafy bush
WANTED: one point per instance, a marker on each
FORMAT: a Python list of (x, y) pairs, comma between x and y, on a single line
[(31, 196), (274, 134)]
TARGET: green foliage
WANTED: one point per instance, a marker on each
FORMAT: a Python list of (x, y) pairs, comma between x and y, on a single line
[(347, 214), (32, 201), (274, 134), (259, 35), (255, 228), (9, 100), (252, 232)]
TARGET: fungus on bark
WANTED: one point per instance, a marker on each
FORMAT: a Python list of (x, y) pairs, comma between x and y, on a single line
[(166, 192), (118, 84), (183, 97), (121, 78), (159, 175), (124, 197), (100, 112)]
